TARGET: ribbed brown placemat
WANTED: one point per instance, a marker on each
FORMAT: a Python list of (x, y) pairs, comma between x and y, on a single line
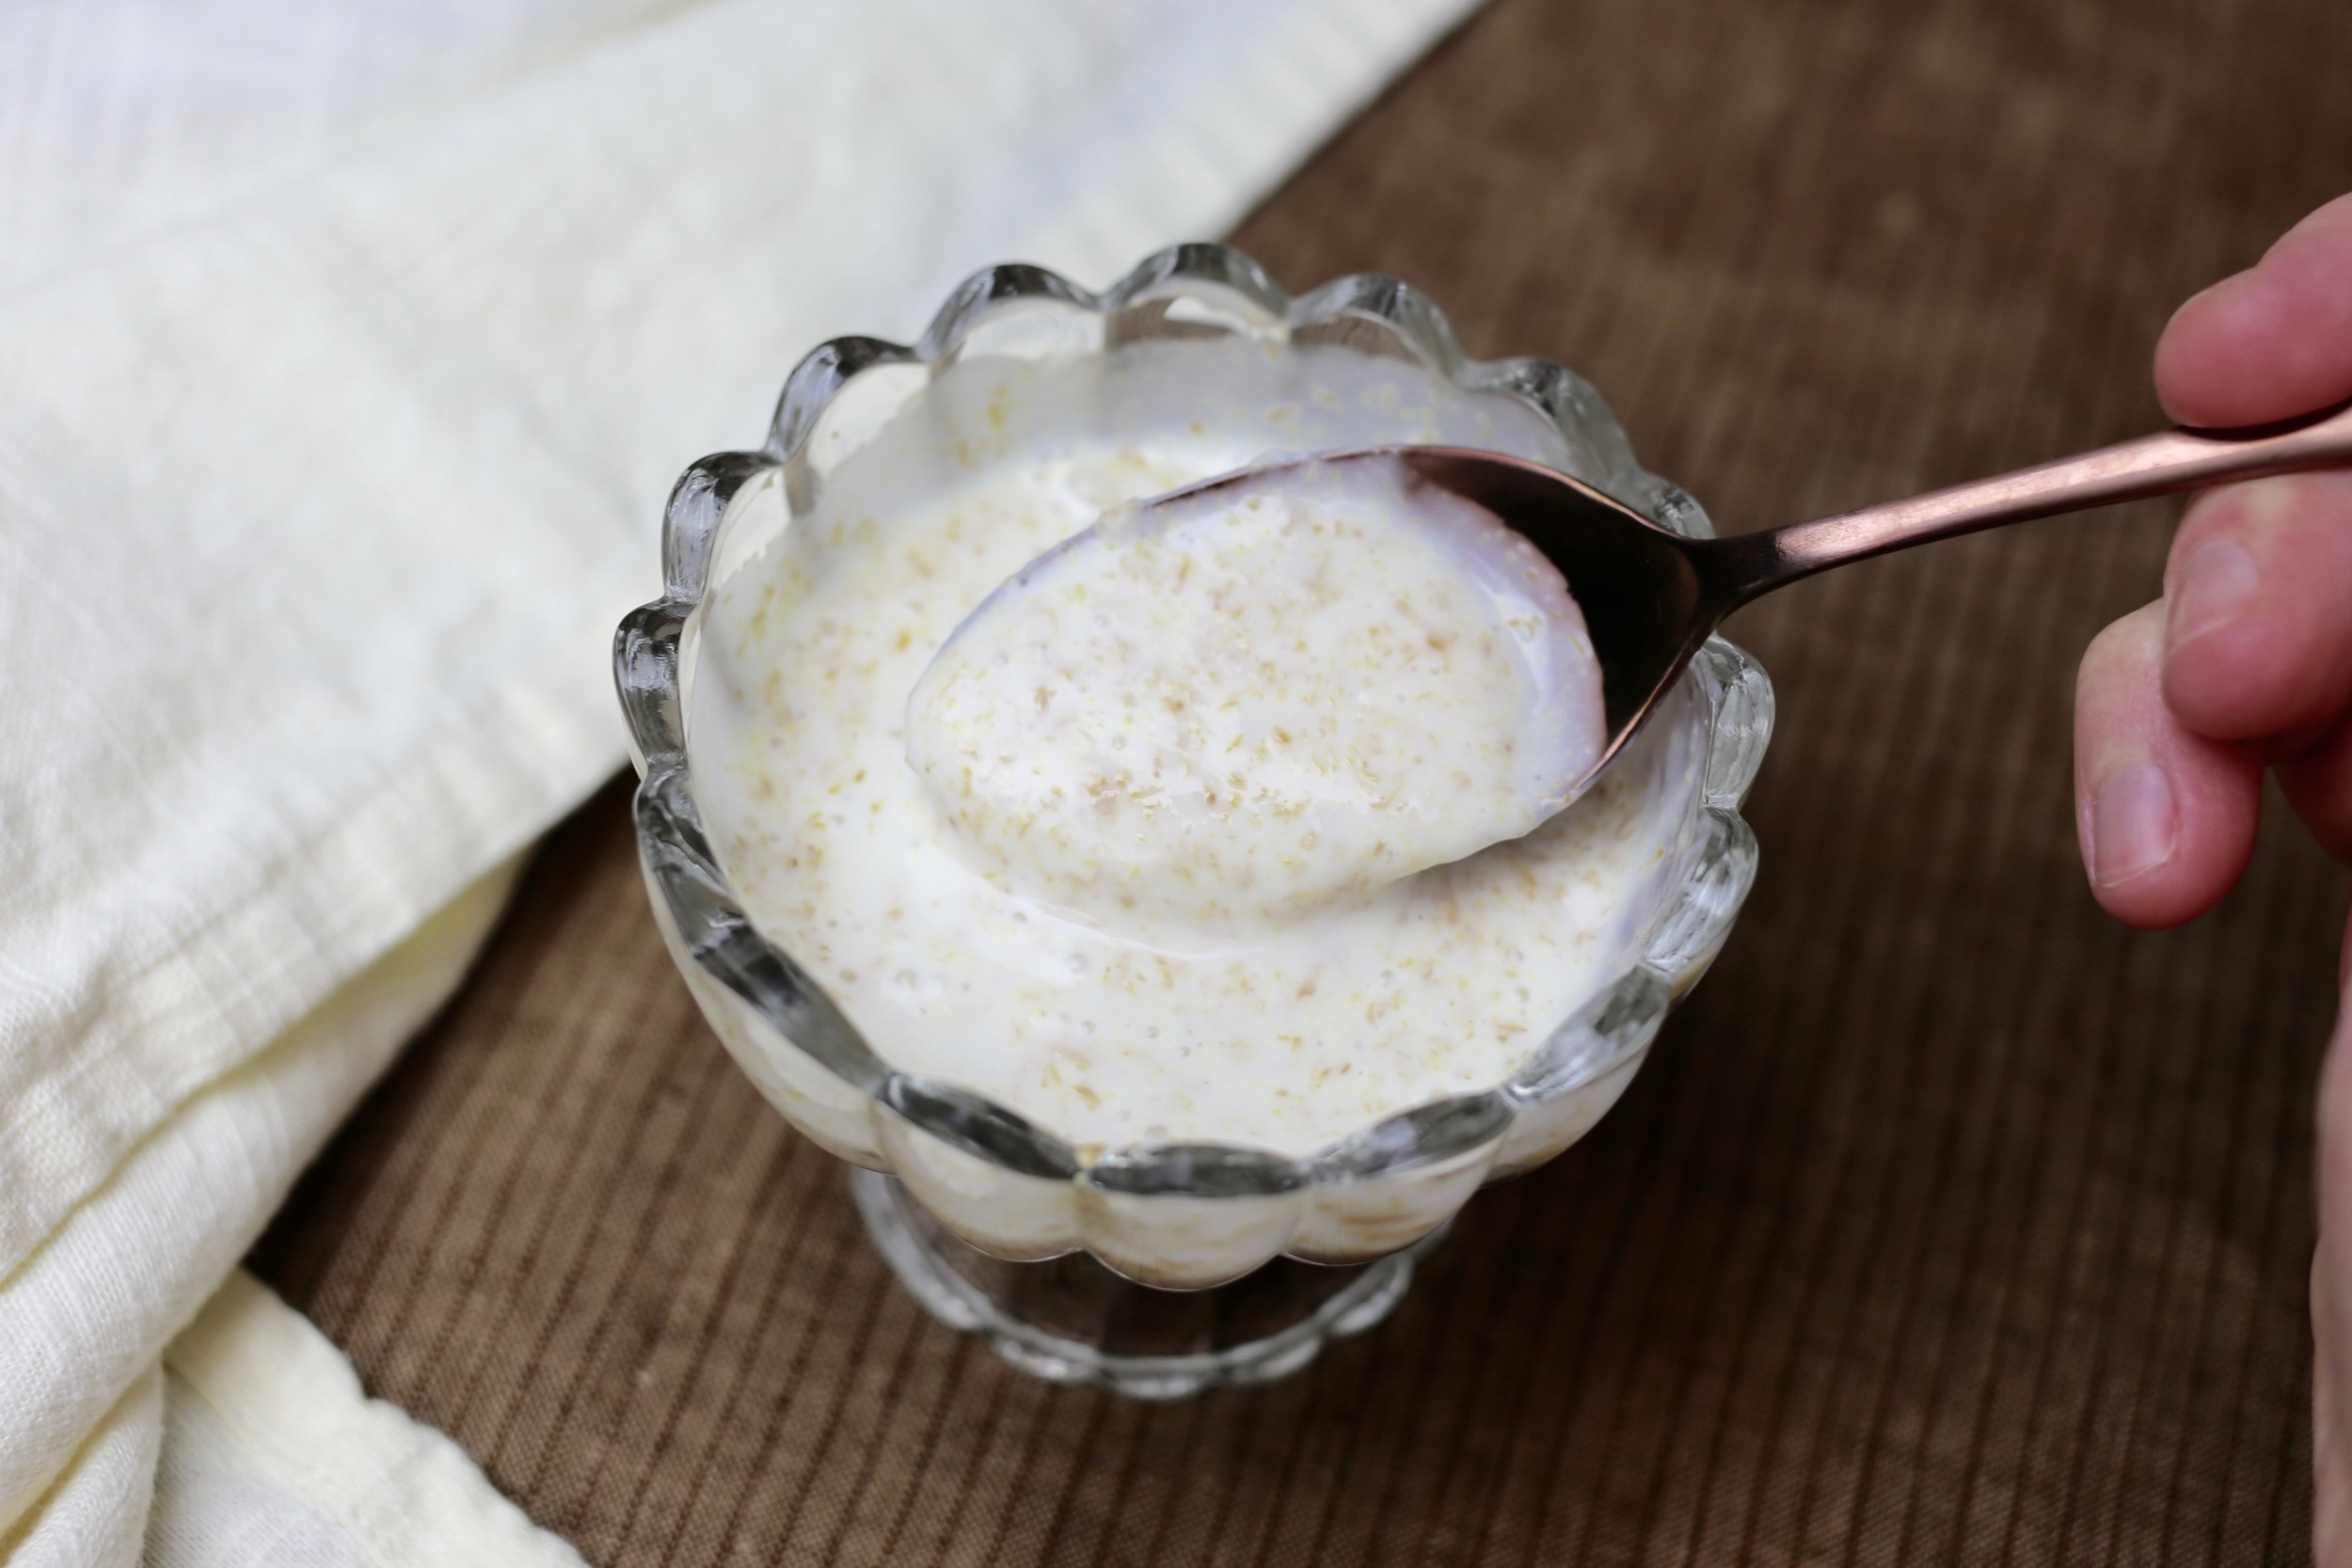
[(1950, 1223)]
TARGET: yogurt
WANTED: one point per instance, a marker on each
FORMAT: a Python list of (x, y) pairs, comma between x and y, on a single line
[(1064, 901), (1245, 705)]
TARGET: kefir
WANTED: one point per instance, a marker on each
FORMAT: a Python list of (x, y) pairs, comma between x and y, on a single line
[(1239, 707)]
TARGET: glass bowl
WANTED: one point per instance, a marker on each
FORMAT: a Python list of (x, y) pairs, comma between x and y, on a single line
[(1147, 1268)]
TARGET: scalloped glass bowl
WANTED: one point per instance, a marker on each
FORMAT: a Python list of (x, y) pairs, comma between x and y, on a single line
[(989, 1183)]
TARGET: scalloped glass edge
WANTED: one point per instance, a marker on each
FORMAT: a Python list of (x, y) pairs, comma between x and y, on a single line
[(1415, 1167)]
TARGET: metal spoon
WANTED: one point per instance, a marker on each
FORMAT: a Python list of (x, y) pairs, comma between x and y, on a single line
[(1650, 598)]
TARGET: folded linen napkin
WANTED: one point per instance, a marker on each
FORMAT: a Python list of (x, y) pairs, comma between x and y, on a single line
[(344, 361)]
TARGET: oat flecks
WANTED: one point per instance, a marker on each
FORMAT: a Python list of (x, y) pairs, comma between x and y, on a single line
[(1274, 695)]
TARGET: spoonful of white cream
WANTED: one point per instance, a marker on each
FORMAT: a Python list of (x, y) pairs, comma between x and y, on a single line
[(1256, 697)]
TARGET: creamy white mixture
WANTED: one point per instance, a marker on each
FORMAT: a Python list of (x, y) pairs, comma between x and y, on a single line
[(1231, 709), (1168, 846)]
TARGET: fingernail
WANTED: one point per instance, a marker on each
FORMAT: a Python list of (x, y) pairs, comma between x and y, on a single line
[(2219, 583), (2133, 821)]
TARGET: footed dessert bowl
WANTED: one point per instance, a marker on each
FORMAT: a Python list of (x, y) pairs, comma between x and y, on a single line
[(1157, 1267)]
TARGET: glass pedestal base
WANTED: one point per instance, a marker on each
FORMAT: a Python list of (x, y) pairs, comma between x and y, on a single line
[(1071, 1320)]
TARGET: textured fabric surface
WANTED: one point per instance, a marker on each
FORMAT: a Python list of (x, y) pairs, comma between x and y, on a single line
[(1950, 1223), (273, 1459), (83, 1323)]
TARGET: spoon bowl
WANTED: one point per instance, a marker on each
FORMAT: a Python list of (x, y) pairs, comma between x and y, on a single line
[(1651, 597), (1125, 729)]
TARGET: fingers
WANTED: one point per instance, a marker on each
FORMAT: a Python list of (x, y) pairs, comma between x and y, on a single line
[(2258, 637), (2272, 342), (2165, 816)]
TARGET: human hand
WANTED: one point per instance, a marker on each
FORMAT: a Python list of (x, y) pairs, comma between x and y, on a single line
[(2246, 664)]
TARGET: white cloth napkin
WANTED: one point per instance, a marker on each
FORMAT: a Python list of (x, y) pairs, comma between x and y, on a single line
[(346, 356)]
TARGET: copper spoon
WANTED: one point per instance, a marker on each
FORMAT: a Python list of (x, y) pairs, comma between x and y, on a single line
[(1651, 597)]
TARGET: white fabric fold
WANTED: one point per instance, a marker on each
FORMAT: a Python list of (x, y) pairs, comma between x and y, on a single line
[(274, 1458), (346, 354), (95, 1513), (88, 1315)]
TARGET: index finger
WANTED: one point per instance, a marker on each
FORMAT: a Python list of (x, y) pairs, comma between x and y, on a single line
[(2269, 343)]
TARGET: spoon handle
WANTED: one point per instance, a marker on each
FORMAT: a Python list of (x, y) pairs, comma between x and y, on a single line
[(1754, 563)]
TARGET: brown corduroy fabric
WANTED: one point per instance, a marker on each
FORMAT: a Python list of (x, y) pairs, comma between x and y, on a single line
[(1950, 1223)]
